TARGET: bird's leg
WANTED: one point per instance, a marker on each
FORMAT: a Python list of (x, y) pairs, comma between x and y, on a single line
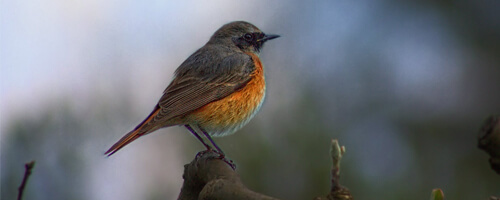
[(222, 155), (209, 148), (212, 141)]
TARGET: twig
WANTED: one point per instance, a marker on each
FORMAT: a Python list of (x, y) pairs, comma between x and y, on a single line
[(336, 152), (337, 191), (28, 168)]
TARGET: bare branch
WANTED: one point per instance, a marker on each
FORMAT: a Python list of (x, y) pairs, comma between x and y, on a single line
[(336, 153), (27, 172), (337, 191)]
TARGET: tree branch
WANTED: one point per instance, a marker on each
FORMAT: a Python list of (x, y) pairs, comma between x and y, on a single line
[(208, 177), (27, 172)]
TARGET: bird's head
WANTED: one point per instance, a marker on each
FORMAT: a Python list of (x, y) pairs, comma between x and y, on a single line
[(242, 35)]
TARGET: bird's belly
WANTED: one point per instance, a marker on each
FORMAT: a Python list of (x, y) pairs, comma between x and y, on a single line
[(227, 115)]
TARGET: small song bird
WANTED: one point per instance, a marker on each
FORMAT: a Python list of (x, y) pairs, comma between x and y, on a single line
[(215, 91)]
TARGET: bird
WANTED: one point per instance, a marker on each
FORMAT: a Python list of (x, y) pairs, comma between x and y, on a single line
[(216, 91)]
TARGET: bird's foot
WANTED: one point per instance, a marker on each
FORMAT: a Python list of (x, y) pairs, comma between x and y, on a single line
[(229, 162), (218, 155), (222, 157)]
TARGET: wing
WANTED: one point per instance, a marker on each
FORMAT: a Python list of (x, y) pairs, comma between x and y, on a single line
[(195, 86)]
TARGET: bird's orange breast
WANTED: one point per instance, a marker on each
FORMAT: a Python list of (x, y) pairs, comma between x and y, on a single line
[(227, 115)]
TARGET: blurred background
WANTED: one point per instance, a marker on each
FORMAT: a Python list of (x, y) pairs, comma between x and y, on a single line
[(405, 86)]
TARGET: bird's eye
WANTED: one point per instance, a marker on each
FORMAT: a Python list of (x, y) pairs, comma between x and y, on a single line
[(248, 37)]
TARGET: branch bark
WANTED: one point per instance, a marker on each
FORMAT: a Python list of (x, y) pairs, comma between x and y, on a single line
[(208, 177)]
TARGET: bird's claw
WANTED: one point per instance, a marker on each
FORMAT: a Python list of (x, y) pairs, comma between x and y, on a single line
[(220, 156)]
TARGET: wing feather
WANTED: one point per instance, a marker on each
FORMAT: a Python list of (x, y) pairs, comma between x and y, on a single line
[(191, 93)]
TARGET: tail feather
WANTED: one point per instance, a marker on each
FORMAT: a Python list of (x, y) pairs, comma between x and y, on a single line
[(139, 131), (123, 141)]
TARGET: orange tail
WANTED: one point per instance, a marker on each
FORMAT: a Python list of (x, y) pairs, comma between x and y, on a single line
[(138, 131)]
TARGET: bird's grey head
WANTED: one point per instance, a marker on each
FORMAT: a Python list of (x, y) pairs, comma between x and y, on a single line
[(242, 35)]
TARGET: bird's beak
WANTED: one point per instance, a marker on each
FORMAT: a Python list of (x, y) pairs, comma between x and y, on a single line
[(268, 37)]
